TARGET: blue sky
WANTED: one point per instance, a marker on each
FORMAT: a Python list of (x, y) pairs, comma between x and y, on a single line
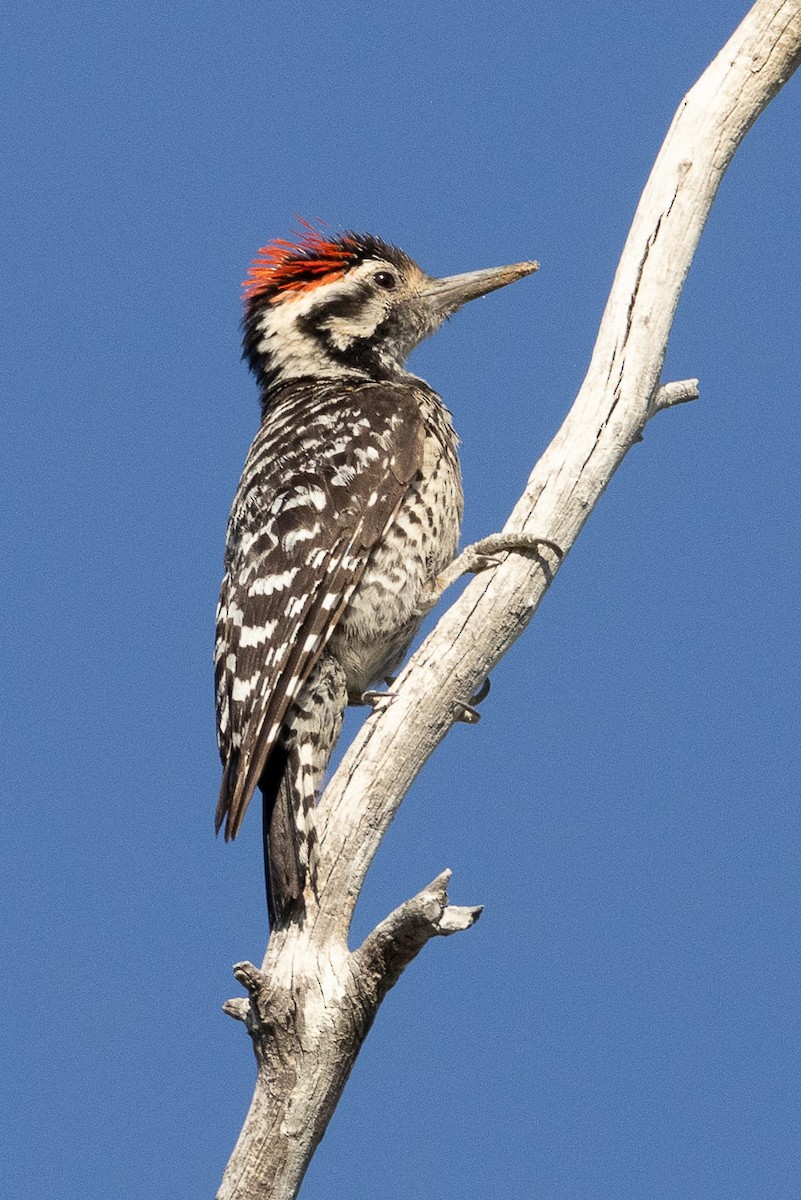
[(623, 1021)]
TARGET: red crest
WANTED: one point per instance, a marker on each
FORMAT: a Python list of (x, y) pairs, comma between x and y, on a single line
[(304, 263)]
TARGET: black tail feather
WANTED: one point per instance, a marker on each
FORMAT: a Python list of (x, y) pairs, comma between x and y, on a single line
[(284, 875)]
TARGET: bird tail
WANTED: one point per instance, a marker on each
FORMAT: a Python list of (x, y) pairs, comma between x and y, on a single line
[(290, 840)]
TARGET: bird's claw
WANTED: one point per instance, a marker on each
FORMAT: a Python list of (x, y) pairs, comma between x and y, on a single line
[(465, 713), (375, 698), (468, 714), (484, 553), (483, 562)]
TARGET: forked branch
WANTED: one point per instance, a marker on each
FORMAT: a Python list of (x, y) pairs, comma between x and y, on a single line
[(312, 1003)]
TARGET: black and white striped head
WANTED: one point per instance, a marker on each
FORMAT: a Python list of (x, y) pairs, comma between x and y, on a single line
[(350, 305)]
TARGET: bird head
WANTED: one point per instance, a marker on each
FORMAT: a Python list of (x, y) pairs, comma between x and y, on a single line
[(347, 305)]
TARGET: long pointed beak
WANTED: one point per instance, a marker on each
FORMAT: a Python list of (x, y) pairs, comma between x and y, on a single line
[(446, 295)]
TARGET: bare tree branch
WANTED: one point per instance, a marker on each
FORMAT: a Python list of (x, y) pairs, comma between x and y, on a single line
[(313, 1001), (674, 393), (396, 941)]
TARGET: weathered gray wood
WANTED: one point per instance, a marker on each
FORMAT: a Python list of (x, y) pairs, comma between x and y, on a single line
[(312, 1002)]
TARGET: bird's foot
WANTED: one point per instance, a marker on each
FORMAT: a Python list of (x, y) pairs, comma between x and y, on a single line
[(483, 555), (375, 698), (468, 713)]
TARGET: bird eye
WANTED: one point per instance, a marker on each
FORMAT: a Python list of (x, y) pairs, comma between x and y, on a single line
[(385, 279)]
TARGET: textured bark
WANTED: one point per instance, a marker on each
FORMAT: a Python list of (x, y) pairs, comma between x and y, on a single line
[(310, 1006)]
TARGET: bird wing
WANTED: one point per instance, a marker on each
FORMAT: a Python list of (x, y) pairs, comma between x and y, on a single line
[(324, 479)]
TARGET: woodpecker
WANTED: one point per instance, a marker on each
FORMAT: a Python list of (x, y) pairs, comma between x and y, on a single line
[(348, 509)]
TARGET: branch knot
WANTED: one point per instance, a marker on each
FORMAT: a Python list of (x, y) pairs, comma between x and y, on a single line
[(401, 936)]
